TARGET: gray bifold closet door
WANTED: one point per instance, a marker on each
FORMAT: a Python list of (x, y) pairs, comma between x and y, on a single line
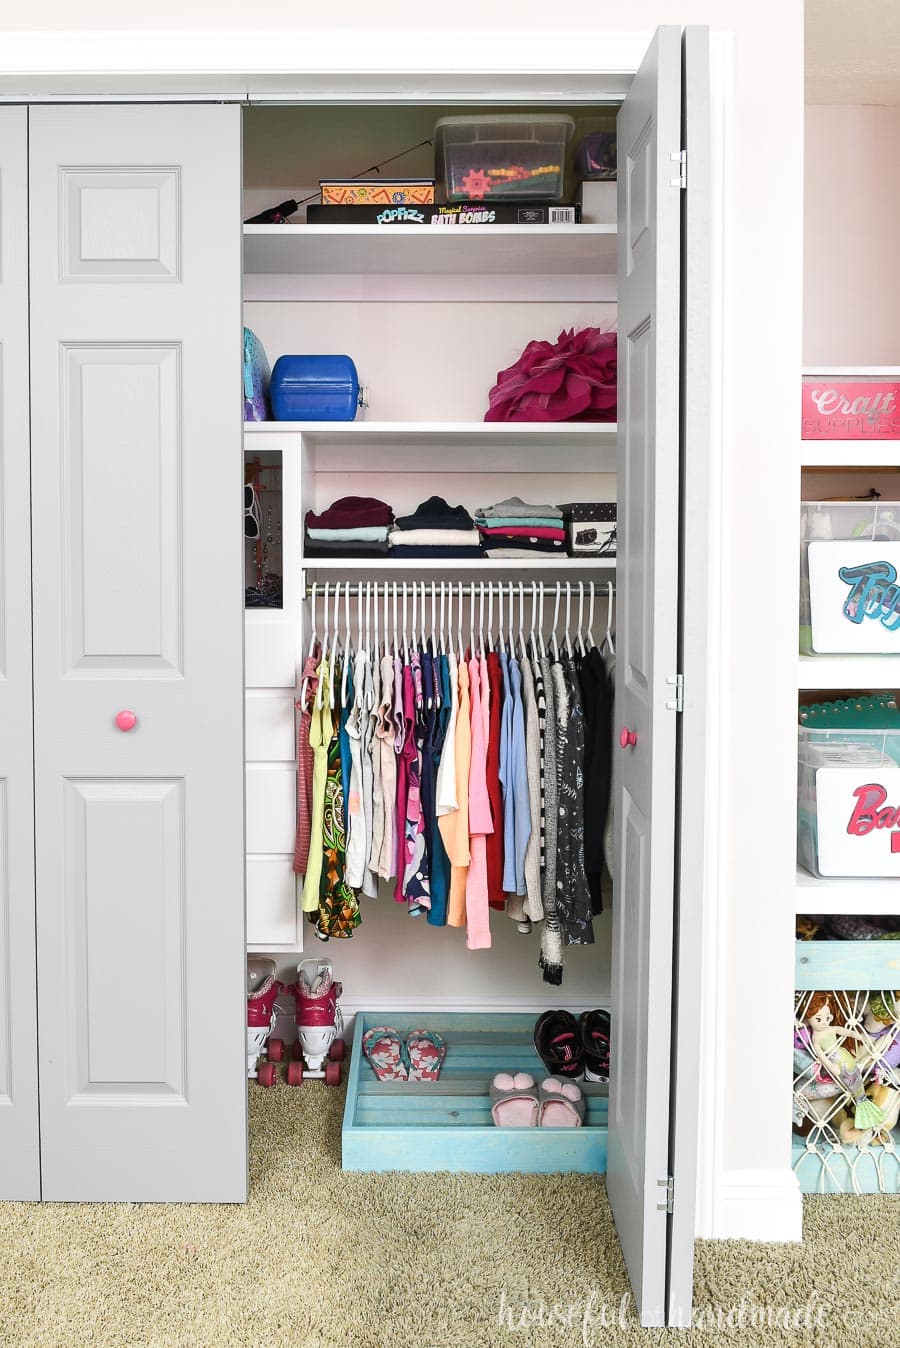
[(135, 281), (646, 1097), (19, 1158)]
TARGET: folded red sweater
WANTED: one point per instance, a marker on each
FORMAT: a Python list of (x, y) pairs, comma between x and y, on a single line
[(352, 512)]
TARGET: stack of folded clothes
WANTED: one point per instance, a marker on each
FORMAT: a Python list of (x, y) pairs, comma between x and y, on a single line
[(355, 526), (515, 528), (435, 530)]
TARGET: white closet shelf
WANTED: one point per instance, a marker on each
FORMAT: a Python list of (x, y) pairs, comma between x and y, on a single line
[(480, 569), (551, 434), (462, 446), (840, 894), (848, 671), (856, 454), (509, 250)]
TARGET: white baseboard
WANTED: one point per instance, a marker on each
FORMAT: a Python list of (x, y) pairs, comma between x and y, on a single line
[(757, 1205)]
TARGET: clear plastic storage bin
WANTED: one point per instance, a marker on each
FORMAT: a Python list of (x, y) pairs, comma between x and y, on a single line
[(849, 568), (513, 157), (848, 801)]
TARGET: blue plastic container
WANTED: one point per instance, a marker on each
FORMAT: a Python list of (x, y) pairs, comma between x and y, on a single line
[(314, 388)]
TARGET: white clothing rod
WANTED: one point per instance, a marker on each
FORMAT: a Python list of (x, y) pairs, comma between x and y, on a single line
[(469, 590)]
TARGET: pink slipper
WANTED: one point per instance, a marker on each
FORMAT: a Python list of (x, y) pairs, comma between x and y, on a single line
[(561, 1104), (514, 1100)]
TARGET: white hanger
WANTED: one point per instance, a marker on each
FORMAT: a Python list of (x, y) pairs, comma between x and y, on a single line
[(481, 646), (304, 686), (589, 635), (396, 647), (608, 639), (405, 630), (459, 621), (501, 639), (368, 628), (523, 650), (386, 648), (346, 673), (580, 636), (568, 618), (320, 692), (472, 651), (490, 625), (553, 642), (434, 646), (540, 630), (435, 700), (332, 672), (376, 645), (531, 635), (443, 614)]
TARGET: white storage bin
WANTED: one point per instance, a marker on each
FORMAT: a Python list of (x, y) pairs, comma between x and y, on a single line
[(848, 802), (850, 563)]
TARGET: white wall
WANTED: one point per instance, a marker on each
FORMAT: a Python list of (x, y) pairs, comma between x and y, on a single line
[(746, 1132), (851, 308)]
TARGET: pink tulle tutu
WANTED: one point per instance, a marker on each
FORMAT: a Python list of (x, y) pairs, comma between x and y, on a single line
[(573, 379)]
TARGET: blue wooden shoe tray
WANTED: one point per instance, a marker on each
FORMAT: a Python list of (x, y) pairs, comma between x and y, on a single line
[(446, 1124)]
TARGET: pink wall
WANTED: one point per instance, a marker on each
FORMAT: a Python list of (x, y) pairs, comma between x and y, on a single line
[(851, 303)]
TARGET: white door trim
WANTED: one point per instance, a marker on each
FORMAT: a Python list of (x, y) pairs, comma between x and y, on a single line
[(324, 64), (450, 65)]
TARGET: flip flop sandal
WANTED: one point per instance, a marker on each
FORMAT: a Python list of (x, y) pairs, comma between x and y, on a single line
[(561, 1104), (514, 1100), (425, 1052), (384, 1050)]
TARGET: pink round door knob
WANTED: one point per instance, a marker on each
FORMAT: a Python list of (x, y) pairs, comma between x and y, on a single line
[(126, 720), (628, 738)]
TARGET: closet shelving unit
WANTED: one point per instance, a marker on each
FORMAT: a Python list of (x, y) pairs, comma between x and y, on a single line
[(839, 965), (571, 271)]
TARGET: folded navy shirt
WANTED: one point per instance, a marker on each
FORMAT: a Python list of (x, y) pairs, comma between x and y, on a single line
[(435, 513)]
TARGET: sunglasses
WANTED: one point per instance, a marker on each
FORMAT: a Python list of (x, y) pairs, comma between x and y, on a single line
[(251, 512)]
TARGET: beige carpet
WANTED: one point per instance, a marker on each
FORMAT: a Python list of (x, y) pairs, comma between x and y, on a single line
[(322, 1258)]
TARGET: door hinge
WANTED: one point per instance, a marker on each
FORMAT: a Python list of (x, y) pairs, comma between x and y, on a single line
[(679, 157), (669, 1185), (676, 681)]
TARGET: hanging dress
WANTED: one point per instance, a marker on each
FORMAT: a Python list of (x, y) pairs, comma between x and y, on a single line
[(319, 737), (338, 911), (573, 898), (305, 765)]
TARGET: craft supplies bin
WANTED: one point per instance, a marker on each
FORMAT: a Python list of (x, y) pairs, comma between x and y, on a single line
[(848, 802), (850, 562), (446, 1124), (515, 156)]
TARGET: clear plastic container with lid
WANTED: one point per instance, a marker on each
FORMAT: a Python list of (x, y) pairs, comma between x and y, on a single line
[(850, 577), (514, 157)]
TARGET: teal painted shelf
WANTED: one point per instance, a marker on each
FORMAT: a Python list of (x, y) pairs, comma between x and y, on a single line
[(446, 1124), (855, 965), (847, 1170)]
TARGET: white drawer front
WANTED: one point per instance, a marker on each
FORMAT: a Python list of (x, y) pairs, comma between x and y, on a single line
[(272, 913), (270, 727), (269, 652), (271, 808)]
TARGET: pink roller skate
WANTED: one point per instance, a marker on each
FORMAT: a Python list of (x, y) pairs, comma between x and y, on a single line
[(319, 1051), (262, 991)]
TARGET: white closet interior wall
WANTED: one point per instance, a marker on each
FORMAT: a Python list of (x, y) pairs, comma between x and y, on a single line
[(431, 360)]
